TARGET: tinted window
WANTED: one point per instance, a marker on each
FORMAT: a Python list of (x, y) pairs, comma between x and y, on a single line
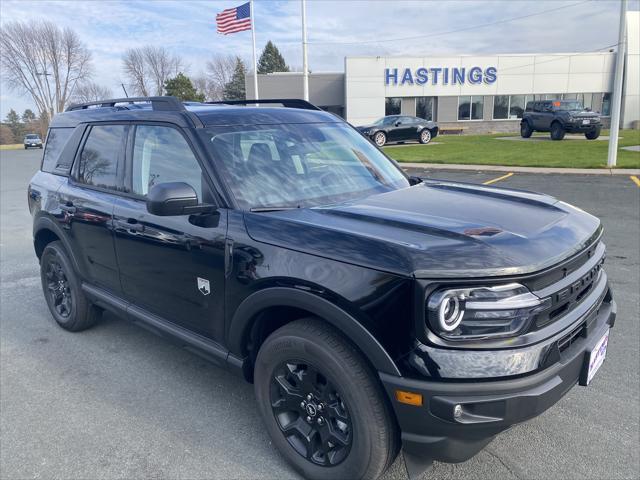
[(161, 155), (425, 107), (392, 105), (99, 158), (516, 106), (464, 108), (500, 107), (56, 140), (477, 106)]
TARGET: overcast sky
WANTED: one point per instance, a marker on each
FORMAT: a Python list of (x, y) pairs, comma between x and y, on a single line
[(335, 29)]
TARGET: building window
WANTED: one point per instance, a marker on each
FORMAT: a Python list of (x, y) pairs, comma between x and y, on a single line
[(606, 104), (425, 107), (392, 105), (516, 106), (470, 108), (500, 107)]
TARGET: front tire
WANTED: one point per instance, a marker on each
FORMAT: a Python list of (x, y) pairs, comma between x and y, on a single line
[(425, 136), (593, 134), (322, 404), (557, 131), (525, 130), (67, 302), (380, 138)]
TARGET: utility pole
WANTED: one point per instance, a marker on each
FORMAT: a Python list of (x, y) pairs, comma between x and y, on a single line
[(616, 101), (305, 66)]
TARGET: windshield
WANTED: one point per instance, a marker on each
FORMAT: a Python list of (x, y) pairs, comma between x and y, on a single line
[(568, 106), (34, 137), (300, 165)]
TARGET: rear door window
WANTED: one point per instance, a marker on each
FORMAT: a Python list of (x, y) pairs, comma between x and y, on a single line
[(56, 140), (100, 157)]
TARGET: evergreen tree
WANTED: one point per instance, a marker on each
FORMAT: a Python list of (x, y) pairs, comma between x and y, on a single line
[(13, 122), (271, 60), (28, 116), (181, 87), (235, 89)]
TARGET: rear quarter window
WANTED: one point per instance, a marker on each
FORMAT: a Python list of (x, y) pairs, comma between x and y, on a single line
[(57, 138)]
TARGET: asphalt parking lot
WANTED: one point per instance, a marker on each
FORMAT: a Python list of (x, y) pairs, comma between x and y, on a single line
[(119, 402)]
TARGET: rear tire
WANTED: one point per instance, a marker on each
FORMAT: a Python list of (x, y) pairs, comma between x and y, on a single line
[(67, 302), (525, 130), (313, 384), (425, 136), (380, 138), (557, 132), (593, 134)]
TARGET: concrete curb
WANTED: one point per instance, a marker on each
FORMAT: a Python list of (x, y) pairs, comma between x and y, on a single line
[(504, 168)]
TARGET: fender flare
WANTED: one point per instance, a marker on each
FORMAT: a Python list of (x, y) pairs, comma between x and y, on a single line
[(46, 223), (291, 297)]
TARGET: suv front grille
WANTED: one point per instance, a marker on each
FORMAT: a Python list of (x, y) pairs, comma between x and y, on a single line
[(568, 293)]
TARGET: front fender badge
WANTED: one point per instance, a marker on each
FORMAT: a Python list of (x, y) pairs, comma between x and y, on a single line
[(203, 286)]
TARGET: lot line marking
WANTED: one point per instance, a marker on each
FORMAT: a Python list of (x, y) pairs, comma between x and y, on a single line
[(635, 180), (489, 182)]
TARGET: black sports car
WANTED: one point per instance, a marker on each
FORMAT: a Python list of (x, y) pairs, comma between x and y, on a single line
[(399, 128)]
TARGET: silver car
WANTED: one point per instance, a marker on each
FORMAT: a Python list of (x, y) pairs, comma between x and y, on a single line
[(32, 140)]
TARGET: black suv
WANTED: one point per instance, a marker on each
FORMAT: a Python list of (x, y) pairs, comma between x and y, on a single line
[(400, 128), (559, 117), (371, 310)]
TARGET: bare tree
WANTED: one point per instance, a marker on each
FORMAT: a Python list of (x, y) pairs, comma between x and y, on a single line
[(90, 92), (219, 72), (44, 61), (148, 68), (203, 86)]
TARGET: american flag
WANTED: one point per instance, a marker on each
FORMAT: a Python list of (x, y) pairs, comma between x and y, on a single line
[(234, 20)]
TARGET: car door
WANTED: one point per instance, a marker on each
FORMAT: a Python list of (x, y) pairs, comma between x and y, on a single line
[(87, 202), (171, 266), (545, 116)]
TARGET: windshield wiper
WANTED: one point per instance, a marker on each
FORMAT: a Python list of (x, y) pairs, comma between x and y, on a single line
[(273, 208)]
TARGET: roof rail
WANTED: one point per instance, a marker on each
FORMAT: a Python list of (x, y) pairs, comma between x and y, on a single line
[(285, 102), (166, 104)]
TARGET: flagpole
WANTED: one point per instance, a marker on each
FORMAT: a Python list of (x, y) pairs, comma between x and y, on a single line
[(255, 63), (305, 66)]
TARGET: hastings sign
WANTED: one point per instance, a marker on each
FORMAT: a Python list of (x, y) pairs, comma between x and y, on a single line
[(440, 76)]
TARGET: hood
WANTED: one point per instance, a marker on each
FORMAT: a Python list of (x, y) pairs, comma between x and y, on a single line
[(583, 114), (366, 127), (436, 229)]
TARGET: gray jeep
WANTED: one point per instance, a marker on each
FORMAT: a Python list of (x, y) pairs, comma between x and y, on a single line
[(559, 117)]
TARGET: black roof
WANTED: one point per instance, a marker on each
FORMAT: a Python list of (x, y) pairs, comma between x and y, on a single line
[(193, 114)]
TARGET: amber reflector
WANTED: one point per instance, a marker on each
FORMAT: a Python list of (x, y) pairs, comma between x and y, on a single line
[(409, 398)]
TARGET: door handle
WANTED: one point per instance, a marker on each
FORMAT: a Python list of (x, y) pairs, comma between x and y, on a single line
[(130, 224), (68, 208)]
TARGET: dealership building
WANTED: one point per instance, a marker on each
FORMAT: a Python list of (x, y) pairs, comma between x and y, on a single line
[(467, 92)]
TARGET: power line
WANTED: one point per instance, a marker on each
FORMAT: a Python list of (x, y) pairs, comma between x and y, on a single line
[(438, 34), (556, 57)]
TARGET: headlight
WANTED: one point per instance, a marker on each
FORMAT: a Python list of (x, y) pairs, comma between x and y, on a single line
[(481, 312)]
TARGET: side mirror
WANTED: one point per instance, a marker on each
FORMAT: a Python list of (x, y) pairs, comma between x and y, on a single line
[(174, 198), (398, 123)]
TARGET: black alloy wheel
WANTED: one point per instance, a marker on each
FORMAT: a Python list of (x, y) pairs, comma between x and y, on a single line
[(557, 131), (68, 304), (311, 413), (58, 288), (525, 130)]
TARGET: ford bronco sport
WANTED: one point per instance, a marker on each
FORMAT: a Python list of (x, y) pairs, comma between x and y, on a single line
[(372, 311), (559, 117)]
